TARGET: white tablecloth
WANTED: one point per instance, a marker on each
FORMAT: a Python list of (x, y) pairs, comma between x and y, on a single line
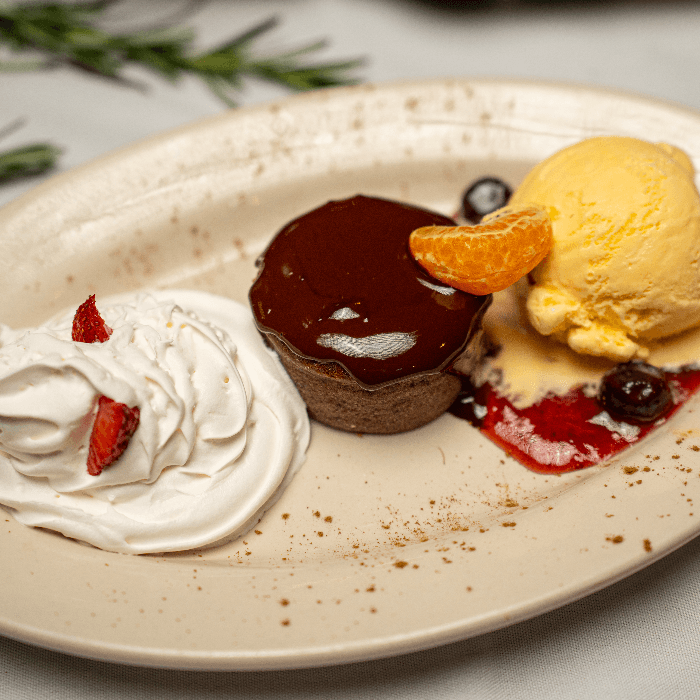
[(637, 639)]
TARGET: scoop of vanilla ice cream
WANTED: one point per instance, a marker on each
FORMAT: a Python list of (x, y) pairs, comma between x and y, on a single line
[(624, 265), (221, 432)]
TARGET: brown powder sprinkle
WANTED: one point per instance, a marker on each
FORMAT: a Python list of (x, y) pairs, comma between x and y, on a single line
[(616, 539), (647, 545)]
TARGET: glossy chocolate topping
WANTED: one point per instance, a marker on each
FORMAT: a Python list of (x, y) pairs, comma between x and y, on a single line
[(339, 284)]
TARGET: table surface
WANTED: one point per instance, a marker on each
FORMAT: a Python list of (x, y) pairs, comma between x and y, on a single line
[(636, 639)]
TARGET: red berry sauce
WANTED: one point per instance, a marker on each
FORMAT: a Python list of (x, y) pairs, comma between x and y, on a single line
[(556, 434)]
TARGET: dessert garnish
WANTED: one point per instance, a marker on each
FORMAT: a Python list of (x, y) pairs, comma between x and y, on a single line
[(486, 257), (636, 392), (88, 325), (114, 425), (486, 195), (562, 433)]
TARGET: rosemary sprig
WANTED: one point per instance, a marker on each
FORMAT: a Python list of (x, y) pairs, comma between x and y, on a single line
[(66, 34), (27, 161)]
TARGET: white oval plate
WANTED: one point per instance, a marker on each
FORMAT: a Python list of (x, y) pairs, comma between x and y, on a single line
[(382, 545)]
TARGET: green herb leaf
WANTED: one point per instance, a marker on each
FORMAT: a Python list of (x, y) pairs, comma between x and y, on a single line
[(27, 161), (67, 34)]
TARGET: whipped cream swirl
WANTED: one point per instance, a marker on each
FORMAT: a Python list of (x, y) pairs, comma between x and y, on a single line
[(222, 428)]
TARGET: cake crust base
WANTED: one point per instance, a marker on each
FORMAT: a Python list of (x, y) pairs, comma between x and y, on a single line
[(334, 398)]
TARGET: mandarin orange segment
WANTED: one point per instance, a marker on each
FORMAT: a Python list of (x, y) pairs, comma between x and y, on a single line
[(487, 257)]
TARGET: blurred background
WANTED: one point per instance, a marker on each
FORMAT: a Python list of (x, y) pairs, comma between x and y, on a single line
[(645, 47)]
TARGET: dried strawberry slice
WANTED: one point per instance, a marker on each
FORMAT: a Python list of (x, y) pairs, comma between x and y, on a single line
[(88, 325), (114, 425)]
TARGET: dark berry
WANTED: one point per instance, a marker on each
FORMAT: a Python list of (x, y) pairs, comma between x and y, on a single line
[(483, 197), (635, 391)]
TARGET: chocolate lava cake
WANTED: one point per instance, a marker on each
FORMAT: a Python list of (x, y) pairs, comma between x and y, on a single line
[(372, 342)]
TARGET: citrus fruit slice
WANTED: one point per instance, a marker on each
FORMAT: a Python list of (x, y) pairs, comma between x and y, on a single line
[(487, 257)]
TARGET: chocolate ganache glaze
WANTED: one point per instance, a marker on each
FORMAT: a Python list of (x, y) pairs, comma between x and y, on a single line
[(339, 285)]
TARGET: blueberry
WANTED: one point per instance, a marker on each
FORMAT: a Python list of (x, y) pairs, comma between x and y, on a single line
[(484, 196), (636, 392)]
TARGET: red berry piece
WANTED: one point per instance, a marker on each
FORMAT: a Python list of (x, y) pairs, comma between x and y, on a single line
[(114, 425), (88, 325)]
